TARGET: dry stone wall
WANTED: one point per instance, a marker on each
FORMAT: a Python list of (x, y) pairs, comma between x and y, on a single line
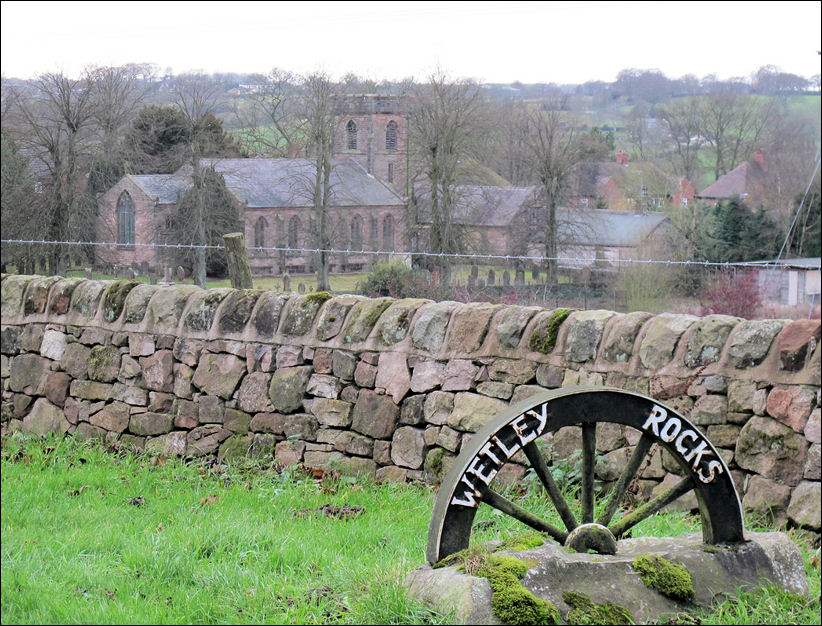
[(393, 388)]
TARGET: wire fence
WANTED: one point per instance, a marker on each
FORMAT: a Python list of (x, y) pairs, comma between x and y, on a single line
[(583, 281), (572, 261)]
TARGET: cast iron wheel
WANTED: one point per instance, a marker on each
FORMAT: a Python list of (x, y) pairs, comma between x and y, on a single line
[(468, 483)]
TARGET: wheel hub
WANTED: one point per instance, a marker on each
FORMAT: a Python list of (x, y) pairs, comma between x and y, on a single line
[(591, 536)]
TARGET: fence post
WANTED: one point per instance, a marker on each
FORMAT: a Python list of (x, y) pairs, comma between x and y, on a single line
[(238, 268)]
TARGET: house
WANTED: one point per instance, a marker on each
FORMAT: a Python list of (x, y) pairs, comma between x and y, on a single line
[(749, 181), (510, 221), (624, 186), (274, 203), (488, 214)]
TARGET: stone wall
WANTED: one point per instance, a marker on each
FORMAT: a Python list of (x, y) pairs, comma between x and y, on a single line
[(393, 388)]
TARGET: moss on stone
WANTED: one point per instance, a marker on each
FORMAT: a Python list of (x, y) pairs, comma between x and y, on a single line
[(523, 541), (237, 310), (544, 336), (364, 318), (116, 298), (584, 611), (510, 601), (318, 297), (474, 557), (302, 312), (668, 578), (201, 314)]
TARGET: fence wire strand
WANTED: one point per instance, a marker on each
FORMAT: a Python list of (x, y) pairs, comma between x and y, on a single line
[(440, 255)]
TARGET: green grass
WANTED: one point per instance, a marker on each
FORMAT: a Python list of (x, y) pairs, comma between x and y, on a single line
[(91, 537), (107, 536)]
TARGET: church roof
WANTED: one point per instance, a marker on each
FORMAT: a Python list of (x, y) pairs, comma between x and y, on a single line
[(288, 183), (164, 188), (478, 205), (284, 183)]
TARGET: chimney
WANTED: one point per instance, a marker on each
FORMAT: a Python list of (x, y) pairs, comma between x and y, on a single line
[(759, 157)]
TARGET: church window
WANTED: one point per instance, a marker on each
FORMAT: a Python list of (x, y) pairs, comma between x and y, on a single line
[(125, 219), (391, 136), (351, 131), (390, 172), (374, 232), (293, 231), (388, 233), (356, 233), (259, 233)]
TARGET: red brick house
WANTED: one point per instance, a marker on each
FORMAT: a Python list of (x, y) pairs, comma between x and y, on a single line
[(749, 181), (626, 186)]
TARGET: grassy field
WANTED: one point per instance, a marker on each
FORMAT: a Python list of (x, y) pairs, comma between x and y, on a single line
[(107, 536)]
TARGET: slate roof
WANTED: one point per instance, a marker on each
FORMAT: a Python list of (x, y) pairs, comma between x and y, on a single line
[(479, 205), (610, 228), (287, 183), (282, 183), (164, 188), (497, 206)]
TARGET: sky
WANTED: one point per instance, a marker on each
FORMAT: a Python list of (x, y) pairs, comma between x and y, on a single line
[(499, 42)]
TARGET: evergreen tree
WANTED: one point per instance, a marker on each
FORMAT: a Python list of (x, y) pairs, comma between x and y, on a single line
[(221, 216)]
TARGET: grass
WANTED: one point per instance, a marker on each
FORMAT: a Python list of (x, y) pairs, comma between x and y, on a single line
[(108, 536), (90, 536)]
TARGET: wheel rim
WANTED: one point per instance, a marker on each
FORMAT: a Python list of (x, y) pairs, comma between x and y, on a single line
[(469, 481)]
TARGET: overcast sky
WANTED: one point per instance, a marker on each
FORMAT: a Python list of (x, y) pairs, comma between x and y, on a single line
[(562, 42)]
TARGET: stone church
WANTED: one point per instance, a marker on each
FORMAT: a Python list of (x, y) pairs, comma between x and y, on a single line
[(274, 201)]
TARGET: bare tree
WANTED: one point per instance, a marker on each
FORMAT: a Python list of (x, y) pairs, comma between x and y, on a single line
[(54, 123), (271, 119), (117, 92), (683, 121), (319, 107), (732, 124), (553, 150), (447, 128)]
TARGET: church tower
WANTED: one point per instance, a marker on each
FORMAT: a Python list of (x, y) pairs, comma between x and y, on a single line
[(372, 130)]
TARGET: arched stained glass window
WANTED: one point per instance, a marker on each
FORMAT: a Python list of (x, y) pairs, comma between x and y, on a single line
[(125, 219), (351, 132)]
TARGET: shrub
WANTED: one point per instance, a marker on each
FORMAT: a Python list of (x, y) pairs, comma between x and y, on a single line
[(731, 293)]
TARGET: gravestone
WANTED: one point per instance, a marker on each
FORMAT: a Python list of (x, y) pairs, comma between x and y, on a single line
[(301, 288), (519, 277), (506, 278), (180, 274), (286, 283), (491, 277)]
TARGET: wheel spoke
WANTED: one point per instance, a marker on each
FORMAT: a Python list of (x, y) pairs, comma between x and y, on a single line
[(492, 498), (544, 474), (589, 444), (618, 491), (651, 507)]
